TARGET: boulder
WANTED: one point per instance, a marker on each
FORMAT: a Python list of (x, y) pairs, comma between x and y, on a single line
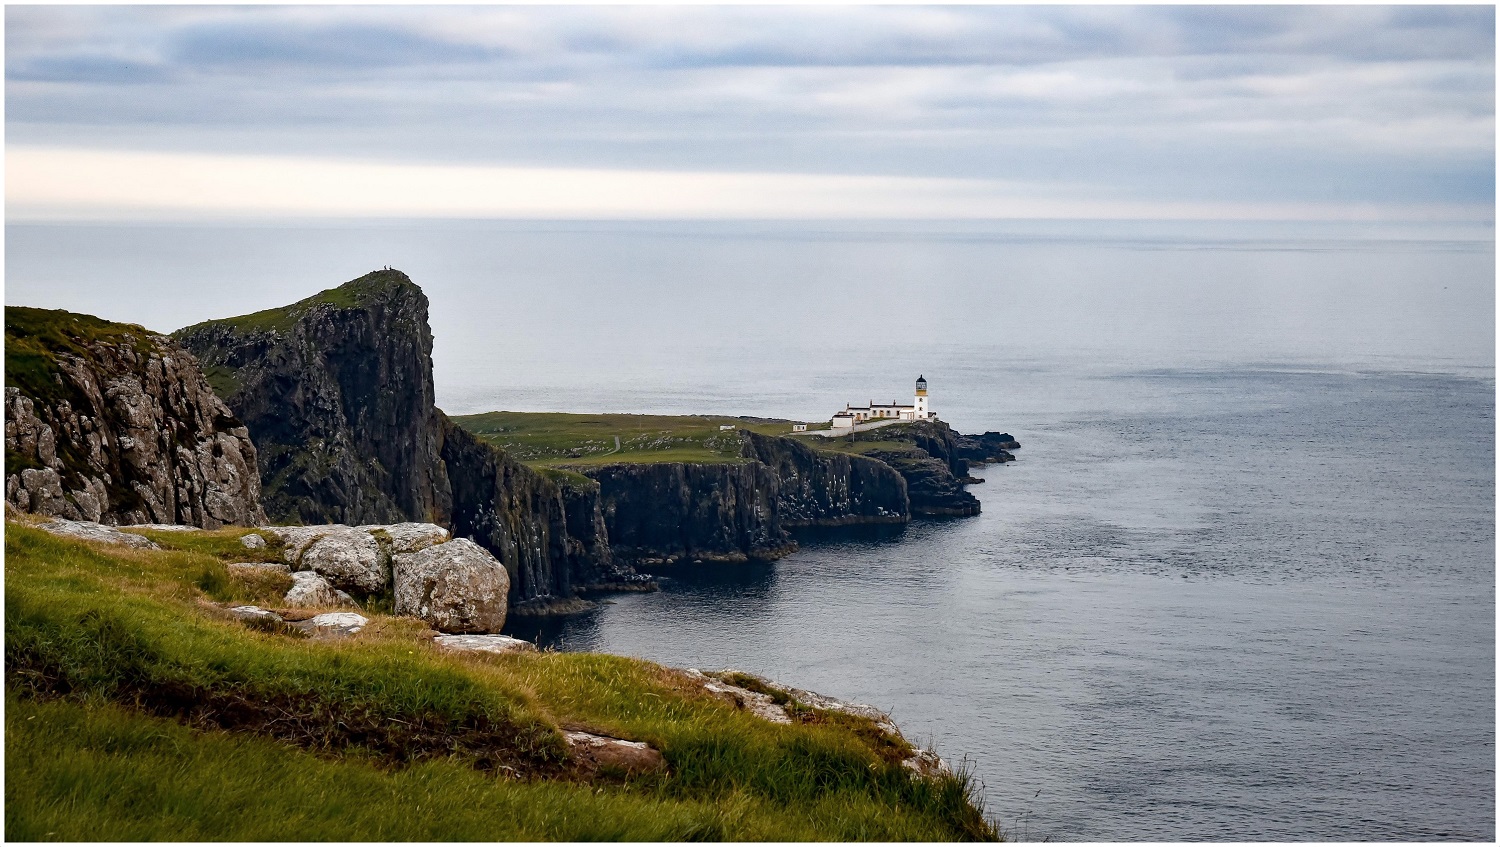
[(253, 613), (500, 644), (333, 623), (253, 542), (456, 587), (348, 558), (309, 588), (90, 531), (409, 537)]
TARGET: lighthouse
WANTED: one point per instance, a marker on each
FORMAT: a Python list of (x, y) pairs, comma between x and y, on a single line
[(919, 405)]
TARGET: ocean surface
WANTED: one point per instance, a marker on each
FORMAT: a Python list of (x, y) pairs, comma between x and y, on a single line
[(1240, 584)]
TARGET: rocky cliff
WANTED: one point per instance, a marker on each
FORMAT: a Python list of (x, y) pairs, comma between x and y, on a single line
[(674, 512), (337, 393), (550, 536), (112, 423), (828, 489)]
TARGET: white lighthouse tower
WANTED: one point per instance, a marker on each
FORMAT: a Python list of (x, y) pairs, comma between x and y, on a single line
[(919, 405)]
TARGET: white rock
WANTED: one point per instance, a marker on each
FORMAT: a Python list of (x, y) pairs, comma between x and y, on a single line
[(253, 542), (250, 613), (311, 589), (89, 531), (484, 644), (754, 702), (456, 587), (296, 538), (335, 623), (346, 557), (410, 537), (163, 527)]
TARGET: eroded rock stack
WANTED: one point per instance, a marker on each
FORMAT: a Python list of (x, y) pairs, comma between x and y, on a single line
[(114, 424)]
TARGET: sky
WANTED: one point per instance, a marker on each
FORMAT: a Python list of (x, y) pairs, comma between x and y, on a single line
[(1224, 113)]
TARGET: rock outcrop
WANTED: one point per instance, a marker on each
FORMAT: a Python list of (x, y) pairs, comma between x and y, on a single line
[(456, 587), (665, 513), (91, 531), (111, 423), (337, 393), (989, 448)]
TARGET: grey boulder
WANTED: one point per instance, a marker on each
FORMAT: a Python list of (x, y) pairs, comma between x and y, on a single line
[(456, 587), (90, 531), (309, 588)]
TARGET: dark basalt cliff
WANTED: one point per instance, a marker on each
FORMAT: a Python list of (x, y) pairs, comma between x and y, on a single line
[(674, 512), (987, 449), (549, 535), (828, 489), (933, 466), (337, 393), (112, 423)]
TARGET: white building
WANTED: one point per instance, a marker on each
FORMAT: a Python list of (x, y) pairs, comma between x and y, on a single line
[(918, 410)]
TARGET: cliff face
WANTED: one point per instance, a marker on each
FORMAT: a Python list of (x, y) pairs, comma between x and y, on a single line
[(828, 489), (550, 537), (337, 393), (672, 512), (111, 423)]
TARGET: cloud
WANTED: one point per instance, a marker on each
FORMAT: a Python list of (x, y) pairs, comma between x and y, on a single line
[(1333, 104), (43, 183)]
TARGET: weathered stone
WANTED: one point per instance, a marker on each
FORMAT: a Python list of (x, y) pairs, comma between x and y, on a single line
[(311, 589), (754, 702), (456, 587), (348, 558), (253, 542), (333, 623), (409, 537), (253, 613), (484, 644), (90, 531), (593, 752), (162, 527), (922, 763), (124, 429)]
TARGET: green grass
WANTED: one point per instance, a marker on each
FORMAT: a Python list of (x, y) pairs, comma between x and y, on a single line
[(353, 294), (137, 710), (552, 439), (35, 337)]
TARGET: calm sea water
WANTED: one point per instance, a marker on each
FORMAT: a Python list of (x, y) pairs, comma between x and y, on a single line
[(1240, 584)]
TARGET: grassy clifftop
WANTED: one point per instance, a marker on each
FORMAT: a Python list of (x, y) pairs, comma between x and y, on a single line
[(136, 709), (35, 337), (554, 438), (351, 295)]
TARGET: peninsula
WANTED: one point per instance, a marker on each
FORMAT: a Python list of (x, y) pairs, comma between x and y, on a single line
[(394, 541)]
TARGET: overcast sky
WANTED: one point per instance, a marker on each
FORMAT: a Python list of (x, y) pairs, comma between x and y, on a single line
[(1333, 112)]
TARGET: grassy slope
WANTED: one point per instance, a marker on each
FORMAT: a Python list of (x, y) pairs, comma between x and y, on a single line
[(136, 711), (552, 438)]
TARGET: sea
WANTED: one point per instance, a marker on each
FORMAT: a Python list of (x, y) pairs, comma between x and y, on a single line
[(1238, 585)]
